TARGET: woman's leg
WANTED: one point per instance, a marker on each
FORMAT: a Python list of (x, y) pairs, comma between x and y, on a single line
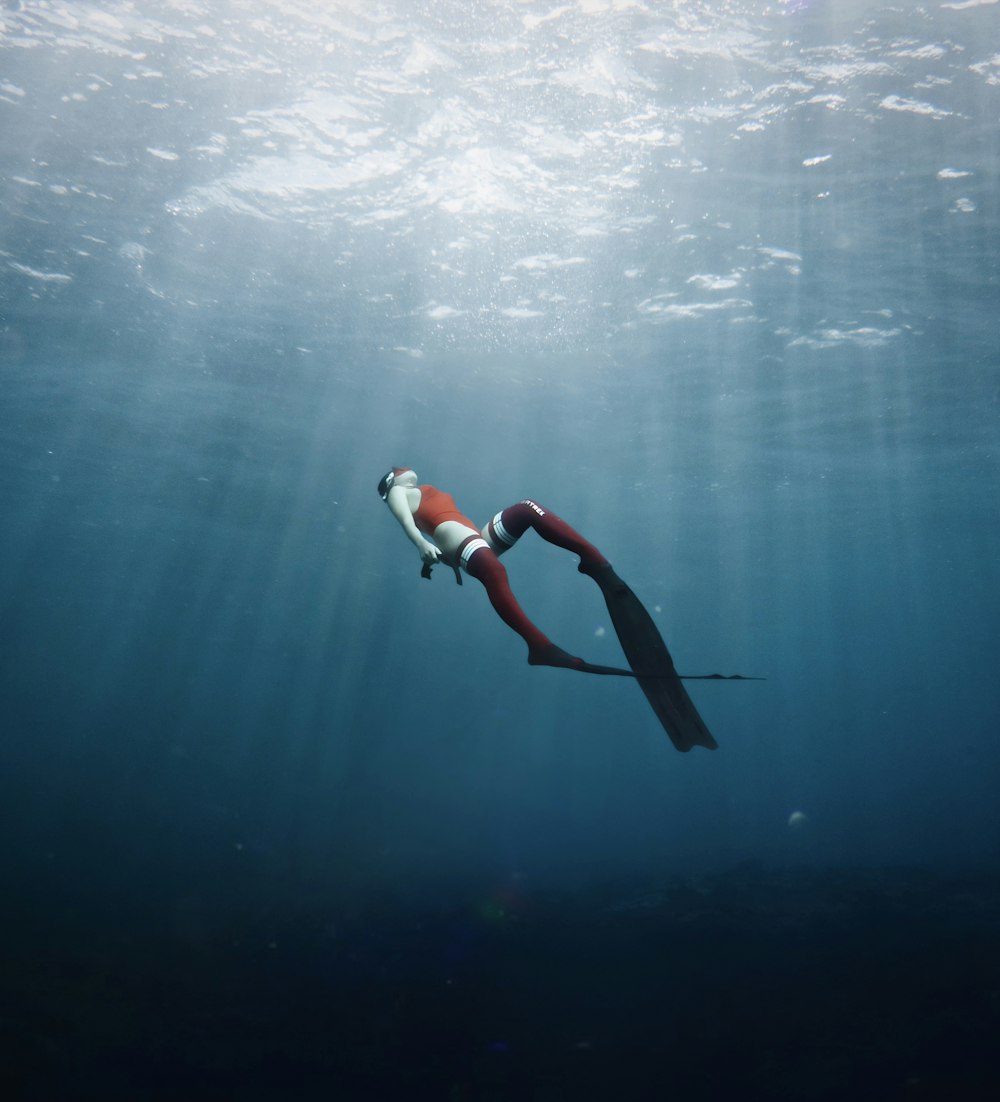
[(485, 567), (508, 526)]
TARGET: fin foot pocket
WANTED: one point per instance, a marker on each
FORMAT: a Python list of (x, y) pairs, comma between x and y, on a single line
[(555, 656), (603, 573)]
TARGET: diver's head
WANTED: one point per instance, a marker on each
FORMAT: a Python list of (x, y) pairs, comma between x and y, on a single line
[(398, 476)]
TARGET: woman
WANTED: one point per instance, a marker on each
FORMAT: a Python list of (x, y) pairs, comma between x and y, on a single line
[(424, 511)]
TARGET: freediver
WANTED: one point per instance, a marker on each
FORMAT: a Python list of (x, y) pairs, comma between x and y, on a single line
[(425, 511)]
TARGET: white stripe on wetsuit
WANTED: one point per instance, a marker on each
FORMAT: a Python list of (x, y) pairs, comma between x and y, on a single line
[(470, 548), (502, 535)]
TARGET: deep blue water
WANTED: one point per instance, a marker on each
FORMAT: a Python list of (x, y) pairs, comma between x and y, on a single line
[(717, 283)]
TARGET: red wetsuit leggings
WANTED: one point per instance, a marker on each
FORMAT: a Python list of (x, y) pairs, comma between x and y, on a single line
[(503, 531)]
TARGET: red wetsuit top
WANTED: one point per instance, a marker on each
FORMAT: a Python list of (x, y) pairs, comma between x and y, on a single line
[(436, 507)]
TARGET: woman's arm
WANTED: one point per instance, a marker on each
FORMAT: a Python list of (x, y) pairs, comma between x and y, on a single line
[(399, 506)]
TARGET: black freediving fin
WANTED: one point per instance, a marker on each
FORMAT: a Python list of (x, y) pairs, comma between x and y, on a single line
[(563, 660), (650, 660), (555, 656), (718, 677)]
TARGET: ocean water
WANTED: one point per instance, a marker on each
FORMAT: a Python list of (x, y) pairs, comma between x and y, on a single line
[(715, 281)]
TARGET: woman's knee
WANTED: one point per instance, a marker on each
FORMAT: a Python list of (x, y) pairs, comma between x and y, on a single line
[(510, 524)]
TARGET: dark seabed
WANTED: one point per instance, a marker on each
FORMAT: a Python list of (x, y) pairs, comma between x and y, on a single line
[(715, 281), (750, 983)]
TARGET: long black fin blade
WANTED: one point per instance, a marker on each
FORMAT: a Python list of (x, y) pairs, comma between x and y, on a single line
[(648, 656), (718, 677)]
